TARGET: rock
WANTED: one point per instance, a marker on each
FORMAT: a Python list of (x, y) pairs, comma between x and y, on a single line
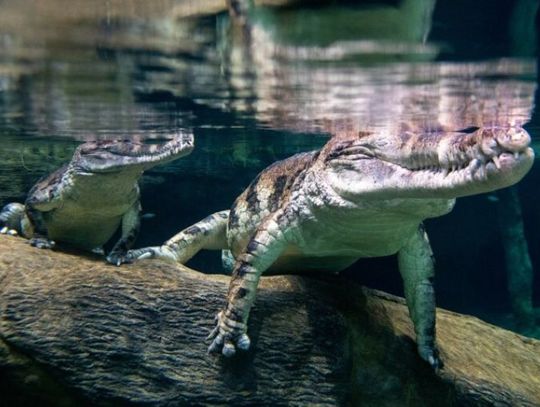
[(75, 330)]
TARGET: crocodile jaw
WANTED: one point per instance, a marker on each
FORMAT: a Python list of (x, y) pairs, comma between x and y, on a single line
[(444, 165), (112, 156)]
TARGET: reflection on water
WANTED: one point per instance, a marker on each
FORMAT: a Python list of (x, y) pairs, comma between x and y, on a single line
[(252, 96), (98, 69)]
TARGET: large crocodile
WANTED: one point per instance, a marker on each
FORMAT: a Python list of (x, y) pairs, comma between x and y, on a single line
[(361, 195), (84, 202)]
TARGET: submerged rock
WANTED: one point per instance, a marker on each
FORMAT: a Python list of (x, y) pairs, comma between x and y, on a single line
[(75, 330)]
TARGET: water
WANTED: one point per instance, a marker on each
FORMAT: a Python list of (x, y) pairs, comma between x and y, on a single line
[(142, 71)]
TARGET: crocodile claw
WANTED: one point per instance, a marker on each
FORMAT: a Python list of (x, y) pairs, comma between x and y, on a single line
[(435, 362), (42, 242), (117, 259), (431, 356), (140, 254), (228, 337)]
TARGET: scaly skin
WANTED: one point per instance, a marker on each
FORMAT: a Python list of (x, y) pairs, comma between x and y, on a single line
[(84, 202), (361, 195)]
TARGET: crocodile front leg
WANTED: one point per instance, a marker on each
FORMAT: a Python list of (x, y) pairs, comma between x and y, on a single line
[(40, 238), (416, 265), (131, 223), (42, 199), (209, 233), (262, 250)]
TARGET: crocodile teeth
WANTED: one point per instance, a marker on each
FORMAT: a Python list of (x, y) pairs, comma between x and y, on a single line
[(475, 166), (496, 161)]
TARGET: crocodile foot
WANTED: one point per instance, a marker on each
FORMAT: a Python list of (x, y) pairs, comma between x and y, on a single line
[(132, 255), (140, 254), (431, 355), (227, 336), (118, 258), (7, 231), (154, 252), (42, 242)]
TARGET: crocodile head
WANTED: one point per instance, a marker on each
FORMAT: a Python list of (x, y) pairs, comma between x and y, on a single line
[(429, 165), (116, 156)]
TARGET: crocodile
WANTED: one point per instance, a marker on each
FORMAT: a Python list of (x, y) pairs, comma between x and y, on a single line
[(84, 202), (364, 194)]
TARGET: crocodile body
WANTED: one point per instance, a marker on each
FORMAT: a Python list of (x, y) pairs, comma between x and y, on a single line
[(361, 195), (84, 202)]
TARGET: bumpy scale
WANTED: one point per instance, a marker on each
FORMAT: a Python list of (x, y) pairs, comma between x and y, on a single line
[(361, 195), (84, 202)]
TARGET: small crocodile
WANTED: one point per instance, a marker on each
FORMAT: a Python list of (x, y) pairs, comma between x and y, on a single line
[(362, 195), (84, 202)]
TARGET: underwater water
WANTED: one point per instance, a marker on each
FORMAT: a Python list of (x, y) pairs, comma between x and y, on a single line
[(251, 99)]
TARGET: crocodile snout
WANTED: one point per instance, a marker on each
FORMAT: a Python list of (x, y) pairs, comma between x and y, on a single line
[(514, 139), (504, 140)]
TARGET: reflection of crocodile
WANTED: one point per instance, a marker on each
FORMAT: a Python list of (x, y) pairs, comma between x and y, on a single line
[(361, 195), (84, 202)]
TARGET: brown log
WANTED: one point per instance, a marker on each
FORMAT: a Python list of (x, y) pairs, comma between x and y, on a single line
[(75, 331)]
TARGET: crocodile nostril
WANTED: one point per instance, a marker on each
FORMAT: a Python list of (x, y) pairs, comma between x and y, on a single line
[(514, 140)]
